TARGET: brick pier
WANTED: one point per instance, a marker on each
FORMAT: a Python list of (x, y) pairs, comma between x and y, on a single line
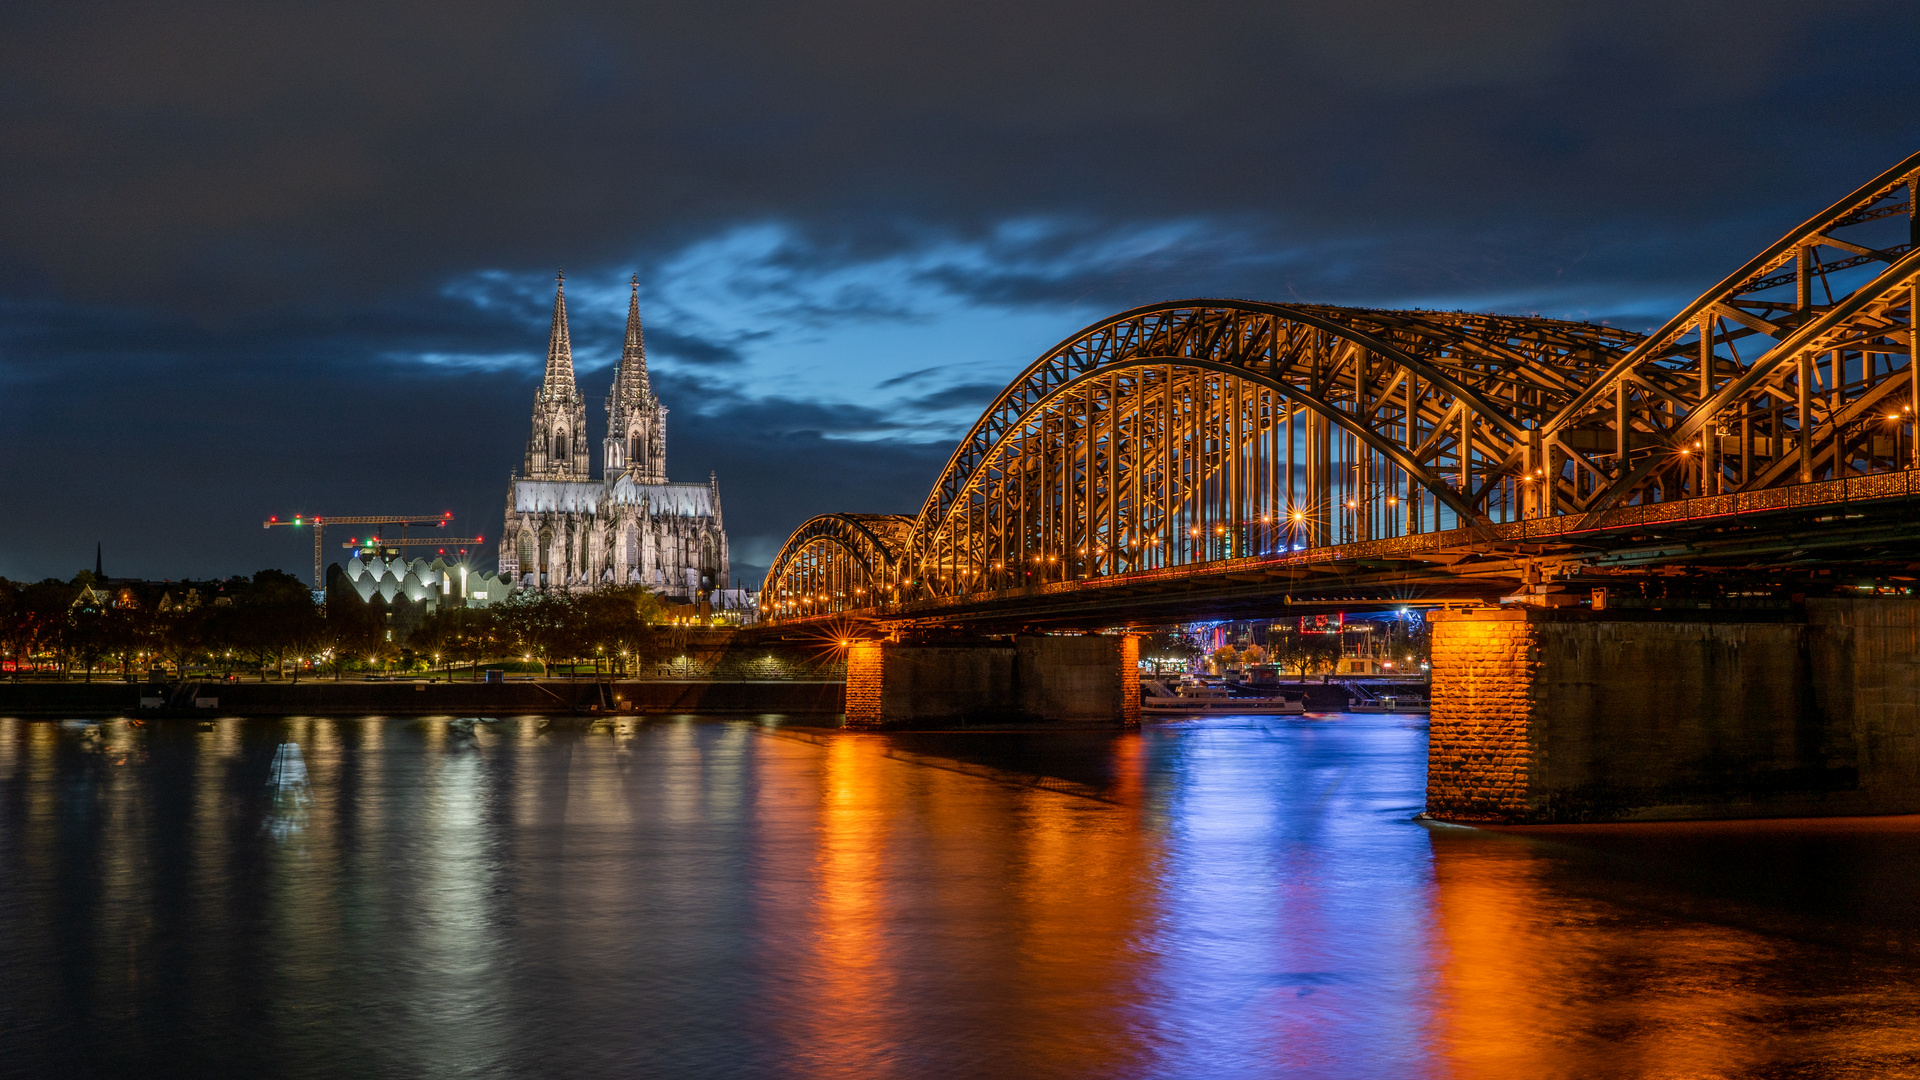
[(1061, 681), (1574, 715)]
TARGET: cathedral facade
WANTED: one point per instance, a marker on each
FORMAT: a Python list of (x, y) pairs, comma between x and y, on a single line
[(566, 529)]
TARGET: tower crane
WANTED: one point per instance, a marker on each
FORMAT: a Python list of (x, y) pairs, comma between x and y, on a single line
[(372, 543), (319, 524)]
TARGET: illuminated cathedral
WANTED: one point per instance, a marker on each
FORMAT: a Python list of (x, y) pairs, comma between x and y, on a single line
[(631, 526)]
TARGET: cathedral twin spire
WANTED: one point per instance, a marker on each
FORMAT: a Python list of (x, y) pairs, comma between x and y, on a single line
[(556, 448), (630, 380), (636, 422), (559, 381)]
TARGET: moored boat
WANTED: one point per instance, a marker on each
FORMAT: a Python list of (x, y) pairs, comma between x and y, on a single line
[(1197, 698)]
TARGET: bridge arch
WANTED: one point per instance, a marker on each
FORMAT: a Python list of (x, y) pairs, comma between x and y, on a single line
[(1421, 402), (1757, 382), (836, 562)]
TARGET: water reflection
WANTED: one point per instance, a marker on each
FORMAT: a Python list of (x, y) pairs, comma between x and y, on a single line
[(1613, 951), (290, 796), (1225, 898)]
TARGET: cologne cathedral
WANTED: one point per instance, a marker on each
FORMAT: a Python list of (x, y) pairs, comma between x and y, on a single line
[(567, 530)]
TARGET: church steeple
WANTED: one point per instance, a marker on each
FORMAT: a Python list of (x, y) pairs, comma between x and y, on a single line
[(633, 358), (557, 446), (636, 422), (559, 380)]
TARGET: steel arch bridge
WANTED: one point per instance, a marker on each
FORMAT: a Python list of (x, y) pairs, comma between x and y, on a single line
[(1181, 441), (837, 562)]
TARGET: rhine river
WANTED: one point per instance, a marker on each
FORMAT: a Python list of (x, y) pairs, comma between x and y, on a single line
[(725, 898)]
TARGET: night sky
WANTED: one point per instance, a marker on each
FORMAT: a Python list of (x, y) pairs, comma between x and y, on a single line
[(273, 258)]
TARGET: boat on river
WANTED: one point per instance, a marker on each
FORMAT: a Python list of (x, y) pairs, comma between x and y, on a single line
[(1389, 699), (1391, 705), (1194, 698)]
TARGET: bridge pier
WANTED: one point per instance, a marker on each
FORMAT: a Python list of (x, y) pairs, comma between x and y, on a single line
[(1569, 715), (1068, 682)]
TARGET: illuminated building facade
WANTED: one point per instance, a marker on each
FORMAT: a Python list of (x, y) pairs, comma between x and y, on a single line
[(567, 530)]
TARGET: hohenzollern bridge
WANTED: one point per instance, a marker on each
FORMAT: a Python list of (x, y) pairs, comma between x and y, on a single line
[(1201, 457), (1215, 458)]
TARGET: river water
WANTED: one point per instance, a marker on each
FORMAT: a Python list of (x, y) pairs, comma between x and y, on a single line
[(692, 898)]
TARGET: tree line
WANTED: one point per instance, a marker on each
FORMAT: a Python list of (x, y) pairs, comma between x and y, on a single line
[(270, 623)]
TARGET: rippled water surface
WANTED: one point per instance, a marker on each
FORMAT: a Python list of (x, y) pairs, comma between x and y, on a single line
[(688, 898)]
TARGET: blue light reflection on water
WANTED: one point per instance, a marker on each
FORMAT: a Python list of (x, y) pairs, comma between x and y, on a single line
[(1294, 895), (1231, 897)]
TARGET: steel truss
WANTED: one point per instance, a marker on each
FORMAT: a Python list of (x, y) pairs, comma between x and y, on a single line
[(1191, 432), (1798, 367), (837, 562)]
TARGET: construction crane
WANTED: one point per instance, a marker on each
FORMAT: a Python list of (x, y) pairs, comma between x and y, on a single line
[(372, 543), (319, 524)]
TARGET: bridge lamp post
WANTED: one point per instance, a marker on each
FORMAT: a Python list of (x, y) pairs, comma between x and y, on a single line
[(1895, 419)]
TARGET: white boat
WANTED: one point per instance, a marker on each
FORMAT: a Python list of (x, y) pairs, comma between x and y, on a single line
[(1195, 698)]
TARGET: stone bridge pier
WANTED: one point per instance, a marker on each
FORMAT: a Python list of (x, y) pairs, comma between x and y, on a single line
[(1087, 681), (1569, 715)]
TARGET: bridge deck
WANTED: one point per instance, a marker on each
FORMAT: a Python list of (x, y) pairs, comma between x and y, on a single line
[(1747, 540)]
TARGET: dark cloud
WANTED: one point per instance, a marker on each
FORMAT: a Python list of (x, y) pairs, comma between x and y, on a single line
[(260, 257), (692, 349), (274, 152), (965, 395), (907, 377)]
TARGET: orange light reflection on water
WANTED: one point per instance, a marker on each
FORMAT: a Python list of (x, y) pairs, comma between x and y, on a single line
[(1555, 965), (909, 864)]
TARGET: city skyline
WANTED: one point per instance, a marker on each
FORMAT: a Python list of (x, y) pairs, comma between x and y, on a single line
[(243, 279)]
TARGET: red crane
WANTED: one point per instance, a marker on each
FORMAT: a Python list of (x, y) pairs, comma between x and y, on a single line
[(373, 543), (319, 524)]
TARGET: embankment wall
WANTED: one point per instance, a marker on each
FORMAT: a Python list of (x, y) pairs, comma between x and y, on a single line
[(325, 698)]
